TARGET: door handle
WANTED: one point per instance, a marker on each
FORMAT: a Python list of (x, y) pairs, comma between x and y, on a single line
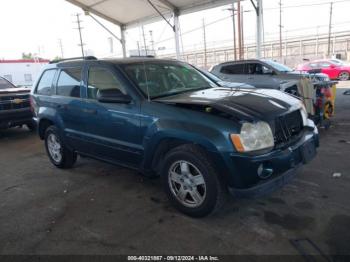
[(89, 111)]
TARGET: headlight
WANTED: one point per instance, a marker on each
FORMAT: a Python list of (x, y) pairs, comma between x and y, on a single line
[(253, 136), (304, 114)]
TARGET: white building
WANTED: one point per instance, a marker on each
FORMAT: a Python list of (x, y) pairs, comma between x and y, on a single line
[(22, 72)]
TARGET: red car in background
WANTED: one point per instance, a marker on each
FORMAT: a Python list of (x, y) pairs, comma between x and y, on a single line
[(334, 68)]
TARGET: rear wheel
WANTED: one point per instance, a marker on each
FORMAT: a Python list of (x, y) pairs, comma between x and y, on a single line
[(58, 153), (191, 182), (343, 76)]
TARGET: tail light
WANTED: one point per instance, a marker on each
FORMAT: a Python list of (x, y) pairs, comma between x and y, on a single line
[(32, 104)]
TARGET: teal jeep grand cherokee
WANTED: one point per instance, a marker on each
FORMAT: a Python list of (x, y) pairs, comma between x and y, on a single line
[(164, 117)]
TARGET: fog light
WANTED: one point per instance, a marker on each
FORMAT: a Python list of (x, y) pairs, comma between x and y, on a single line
[(264, 172)]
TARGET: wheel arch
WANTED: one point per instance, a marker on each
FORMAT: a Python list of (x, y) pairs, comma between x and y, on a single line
[(154, 156), (43, 125)]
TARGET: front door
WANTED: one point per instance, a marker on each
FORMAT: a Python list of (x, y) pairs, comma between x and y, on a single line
[(112, 129), (261, 76)]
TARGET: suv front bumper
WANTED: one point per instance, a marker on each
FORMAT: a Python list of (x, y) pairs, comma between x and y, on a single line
[(260, 175)]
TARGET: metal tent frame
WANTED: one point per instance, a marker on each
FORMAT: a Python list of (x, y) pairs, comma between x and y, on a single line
[(148, 11)]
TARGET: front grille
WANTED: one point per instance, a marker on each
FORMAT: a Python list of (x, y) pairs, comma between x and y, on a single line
[(288, 128), (8, 102)]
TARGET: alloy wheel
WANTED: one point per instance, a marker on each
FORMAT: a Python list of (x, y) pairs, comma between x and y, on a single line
[(54, 147), (187, 183)]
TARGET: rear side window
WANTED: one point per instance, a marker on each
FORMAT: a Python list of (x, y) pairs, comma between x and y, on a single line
[(45, 83), (102, 79), (233, 69), (68, 83)]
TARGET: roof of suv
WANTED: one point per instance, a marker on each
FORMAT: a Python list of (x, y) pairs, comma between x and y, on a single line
[(129, 60), (242, 61)]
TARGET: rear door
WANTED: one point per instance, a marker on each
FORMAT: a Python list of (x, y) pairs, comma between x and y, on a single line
[(234, 72), (67, 101), (112, 130)]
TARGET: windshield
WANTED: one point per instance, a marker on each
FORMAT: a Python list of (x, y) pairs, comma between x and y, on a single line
[(5, 84), (209, 75), (164, 79), (278, 66)]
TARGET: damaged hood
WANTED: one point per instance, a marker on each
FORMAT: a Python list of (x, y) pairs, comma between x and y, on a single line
[(262, 104)]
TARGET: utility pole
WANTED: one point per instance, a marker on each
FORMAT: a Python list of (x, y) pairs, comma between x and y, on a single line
[(317, 39), (232, 10), (239, 29), (79, 29), (280, 26), (138, 48), (152, 41), (144, 39), (330, 29), (61, 46), (205, 45)]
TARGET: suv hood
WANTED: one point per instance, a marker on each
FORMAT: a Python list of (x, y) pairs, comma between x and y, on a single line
[(249, 105)]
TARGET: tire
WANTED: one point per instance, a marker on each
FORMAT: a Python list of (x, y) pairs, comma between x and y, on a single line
[(343, 76), (31, 126), (58, 153), (187, 163)]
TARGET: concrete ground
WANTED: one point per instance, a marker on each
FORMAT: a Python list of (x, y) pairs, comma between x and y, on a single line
[(97, 208)]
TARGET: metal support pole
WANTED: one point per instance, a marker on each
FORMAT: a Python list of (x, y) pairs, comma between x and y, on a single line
[(280, 27), (205, 44), (239, 29), (330, 29), (122, 40), (177, 34), (242, 31), (259, 22)]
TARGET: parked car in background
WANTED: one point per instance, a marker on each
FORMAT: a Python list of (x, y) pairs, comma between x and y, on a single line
[(222, 83), (260, 73), (334, 68), (14, 106), (164, 117)]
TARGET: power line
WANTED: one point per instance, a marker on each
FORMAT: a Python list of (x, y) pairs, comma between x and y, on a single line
[(195, 29), (305, 5)]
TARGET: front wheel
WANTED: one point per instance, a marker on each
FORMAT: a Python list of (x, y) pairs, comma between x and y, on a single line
[(191, 182), (58, 153), (343, 76)]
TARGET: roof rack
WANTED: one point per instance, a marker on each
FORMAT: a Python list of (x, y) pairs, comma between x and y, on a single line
[(143, 56), (73, 58)]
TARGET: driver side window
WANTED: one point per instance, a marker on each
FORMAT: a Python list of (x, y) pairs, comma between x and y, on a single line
[(102, 79)]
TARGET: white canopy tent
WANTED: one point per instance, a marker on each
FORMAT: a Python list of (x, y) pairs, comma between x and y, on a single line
[(130, 13)]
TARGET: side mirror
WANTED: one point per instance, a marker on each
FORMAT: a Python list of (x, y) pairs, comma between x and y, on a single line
[(113, 96), (332, 66)]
